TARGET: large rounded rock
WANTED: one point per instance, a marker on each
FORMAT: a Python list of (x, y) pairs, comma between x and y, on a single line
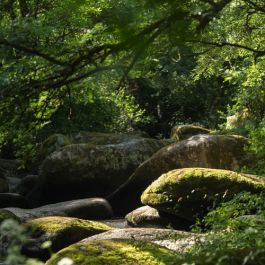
[(60, 231), (171, 239), (150, 217), (85, 170), (30, 187), (57, 141), (207, 151), (183, 132), (91, 208), (115, 252), (8, 168), (191, 192)]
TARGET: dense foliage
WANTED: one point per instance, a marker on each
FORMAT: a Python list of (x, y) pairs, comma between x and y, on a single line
[(63, 63), (121, 65), (235, 233)]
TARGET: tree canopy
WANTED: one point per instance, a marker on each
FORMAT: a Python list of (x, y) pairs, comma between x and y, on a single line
[(120, 64)]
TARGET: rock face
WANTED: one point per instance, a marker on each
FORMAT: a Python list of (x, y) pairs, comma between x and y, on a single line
[(87, 170), (60, 231), (150, 217), (171, 239), (115, 252), (183, 132), (207, 151), (191, 192), (92, 208)]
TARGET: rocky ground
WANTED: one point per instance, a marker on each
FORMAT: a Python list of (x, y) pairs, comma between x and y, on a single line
[(158, 188)]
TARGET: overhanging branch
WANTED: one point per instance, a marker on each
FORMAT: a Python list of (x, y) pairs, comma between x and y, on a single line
[(258, 53)]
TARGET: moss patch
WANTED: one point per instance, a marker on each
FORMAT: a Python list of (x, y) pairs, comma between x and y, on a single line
[(60, 231), (57, 225), (116, 252), (190, 192)]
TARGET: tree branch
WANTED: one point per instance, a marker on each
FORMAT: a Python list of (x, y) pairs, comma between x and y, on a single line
[(258, 53), (256, 6), (31, 51)]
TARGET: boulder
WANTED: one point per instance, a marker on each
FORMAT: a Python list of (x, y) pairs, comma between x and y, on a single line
[(30, 187), (190, 193), (8, 168), (60, 232), (97, 138), (115, 222), (146, 216), (57, 141), (171, 239), (91, 208), (207, 151), (87, 170), (12, 200), (183, 132), (114, 252), (27, 184)]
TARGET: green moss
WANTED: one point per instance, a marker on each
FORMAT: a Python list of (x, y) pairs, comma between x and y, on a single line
[(5, 214), (57, 225), (116, 252), (189, 192)]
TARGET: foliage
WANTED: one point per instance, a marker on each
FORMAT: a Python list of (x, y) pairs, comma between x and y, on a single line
[(71, 62), (225, 216), (12, 237), (225, 248), (231, 239), (256, 147)]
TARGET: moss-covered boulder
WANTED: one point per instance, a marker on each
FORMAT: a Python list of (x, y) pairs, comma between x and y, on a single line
[(91, 209), (97, 138), (190, 192), (146, 216), (172, 239), (115, 252), (85, 170), (183, 132), (60, 231), (207, 151), (5, 215), (58, 140), (51, 144)]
